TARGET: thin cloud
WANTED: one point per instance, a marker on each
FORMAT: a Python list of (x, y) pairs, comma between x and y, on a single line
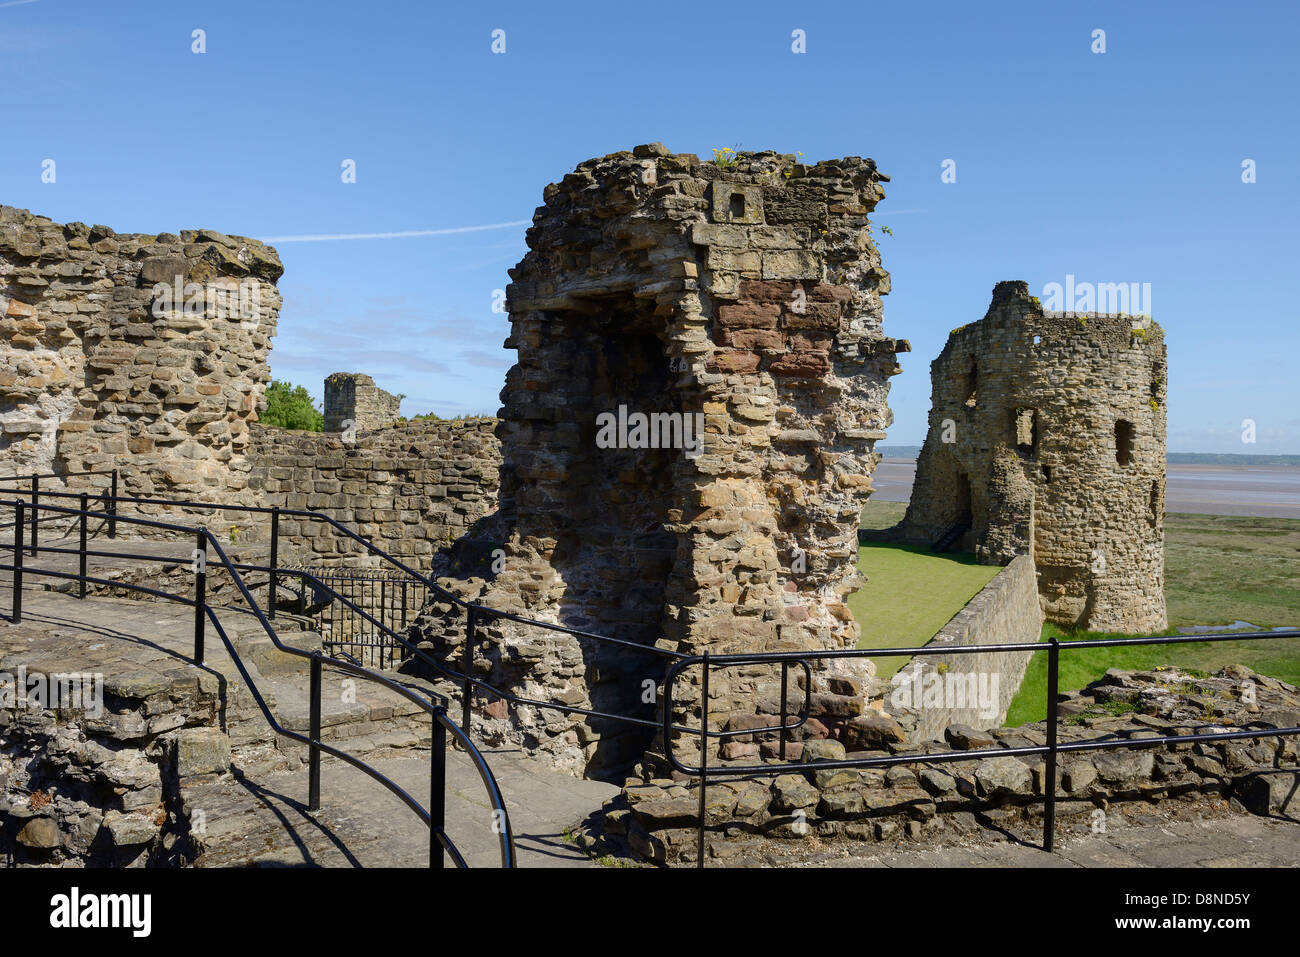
[(17, 3), (404, 234)]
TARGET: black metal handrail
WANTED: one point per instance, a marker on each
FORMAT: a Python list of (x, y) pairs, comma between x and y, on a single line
[(1050, 749), (433, 818), (677, 662), (465, 678)]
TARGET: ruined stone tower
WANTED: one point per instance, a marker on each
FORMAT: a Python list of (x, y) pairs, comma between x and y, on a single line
[(1047, 438), (146, 353), (741, 301), (353, 400)]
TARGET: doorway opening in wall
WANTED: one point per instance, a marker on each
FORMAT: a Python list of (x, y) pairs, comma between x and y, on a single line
[(962, 514), (615, 553)]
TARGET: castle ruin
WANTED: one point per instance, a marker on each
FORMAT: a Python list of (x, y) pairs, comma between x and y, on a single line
[(1047, 438), (354, 403), (736, 308)]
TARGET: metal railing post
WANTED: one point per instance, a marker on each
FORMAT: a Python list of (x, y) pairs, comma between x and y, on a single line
[(18, 562), (704, 754), (313, 749), (467, 665), (36, 494), (1049, 782), (275, 561), (200, 592), (112, 507), (437, 791), (81, 567), (785, 676)]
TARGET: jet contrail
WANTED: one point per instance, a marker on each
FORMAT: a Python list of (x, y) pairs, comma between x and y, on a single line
[(17, 3), (329, 237)]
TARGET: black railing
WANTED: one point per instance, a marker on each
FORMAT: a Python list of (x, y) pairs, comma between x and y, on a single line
[(1050, 750), (392, 595), (676, 662), (440, 843), (33, 483)]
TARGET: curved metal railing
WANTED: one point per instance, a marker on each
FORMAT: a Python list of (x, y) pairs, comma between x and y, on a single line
[(433, 817)]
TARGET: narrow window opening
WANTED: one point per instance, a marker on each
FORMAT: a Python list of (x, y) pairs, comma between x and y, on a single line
[(1047, 475), (1025, 430), (1156, 508), (737, 205), (972, 385), (1124, 442)]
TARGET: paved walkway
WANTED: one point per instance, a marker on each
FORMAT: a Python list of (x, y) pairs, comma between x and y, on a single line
[(259, 816), (1208, 834)]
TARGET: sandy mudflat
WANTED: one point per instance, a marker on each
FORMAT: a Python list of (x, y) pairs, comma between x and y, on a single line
[(1267, 490)]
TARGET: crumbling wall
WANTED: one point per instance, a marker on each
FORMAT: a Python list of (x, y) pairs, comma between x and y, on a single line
[(975, 690), (354, 403), (1047, 437), (410, 490), (144, 353), (743, 298)]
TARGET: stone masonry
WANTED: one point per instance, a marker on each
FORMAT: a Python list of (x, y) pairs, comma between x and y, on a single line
[(1047, 438), (410, 489), (143, 352), (743, 296), (354, 403)]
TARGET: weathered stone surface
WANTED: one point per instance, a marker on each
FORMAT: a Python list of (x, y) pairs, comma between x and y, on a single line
[(791, 792), (1040, 423), (201, 751), (995, 777), (967, 739), (871, 730)]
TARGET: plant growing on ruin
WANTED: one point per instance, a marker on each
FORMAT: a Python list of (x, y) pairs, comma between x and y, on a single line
[(725, 156), (1154, 403)]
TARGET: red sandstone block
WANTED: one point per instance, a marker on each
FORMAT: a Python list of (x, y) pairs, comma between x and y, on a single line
[(828, 292), (768, 340), (801, 365), (735, 360), (766, 290), (815, 315), (748, 315)]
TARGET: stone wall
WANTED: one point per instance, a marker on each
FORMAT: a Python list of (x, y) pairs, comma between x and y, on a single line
[(975, 690), (354, 403), (143, 352), (951, 801), (742, 301), (410, 489), (1047, 438)]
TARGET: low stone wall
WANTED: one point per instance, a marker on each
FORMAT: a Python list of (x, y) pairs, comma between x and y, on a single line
[(100, 784), (932, 692), (656, 820), (410, 489)]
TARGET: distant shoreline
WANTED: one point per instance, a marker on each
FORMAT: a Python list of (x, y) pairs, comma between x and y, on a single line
[(1173, 458)]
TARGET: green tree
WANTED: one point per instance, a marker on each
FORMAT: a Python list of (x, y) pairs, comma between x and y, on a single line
[(288, 406)]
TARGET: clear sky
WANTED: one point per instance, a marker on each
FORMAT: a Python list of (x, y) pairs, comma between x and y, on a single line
[(1122, 166)]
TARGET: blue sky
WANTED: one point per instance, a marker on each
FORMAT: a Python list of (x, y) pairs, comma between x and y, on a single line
[(1115, 167)]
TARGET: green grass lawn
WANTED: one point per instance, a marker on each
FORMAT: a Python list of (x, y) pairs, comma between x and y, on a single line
[(1219, 569), (910, 594), (1279, 657)]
